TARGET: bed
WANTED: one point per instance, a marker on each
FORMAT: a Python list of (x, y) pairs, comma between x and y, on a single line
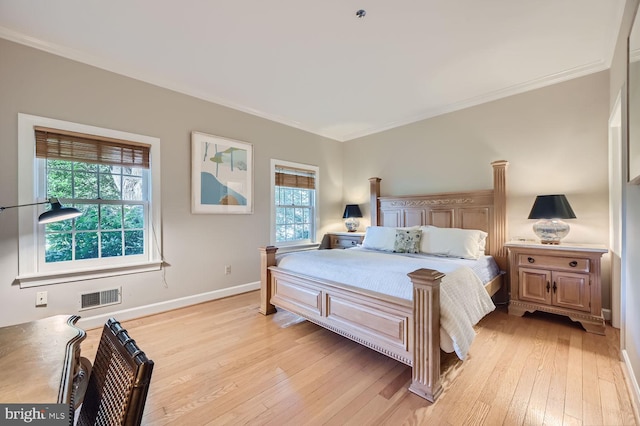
[(405, 329)]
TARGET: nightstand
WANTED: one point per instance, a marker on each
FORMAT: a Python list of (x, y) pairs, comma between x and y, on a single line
[(561, 279), (342, 240)]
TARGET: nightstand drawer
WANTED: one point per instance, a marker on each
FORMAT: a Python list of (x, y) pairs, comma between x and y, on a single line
[(554, 262), (341, 241)]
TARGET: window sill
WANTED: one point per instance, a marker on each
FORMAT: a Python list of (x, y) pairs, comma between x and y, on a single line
[(59, 277)]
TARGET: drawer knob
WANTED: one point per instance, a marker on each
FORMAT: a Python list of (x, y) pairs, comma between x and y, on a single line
[(531, 259), (573, 263)]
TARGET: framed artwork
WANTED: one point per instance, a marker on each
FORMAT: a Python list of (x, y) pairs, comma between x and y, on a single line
[(633, 99), (221, 175)]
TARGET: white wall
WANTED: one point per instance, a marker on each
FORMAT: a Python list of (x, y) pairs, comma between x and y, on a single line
[(630, 328), (554, 138), (632, 291), (196, 247)]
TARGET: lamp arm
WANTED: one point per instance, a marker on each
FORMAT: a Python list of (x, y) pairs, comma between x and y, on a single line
[(50, 200)]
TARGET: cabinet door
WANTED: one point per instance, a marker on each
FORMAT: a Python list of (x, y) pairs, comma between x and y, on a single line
[(571, 290), (535, 285)]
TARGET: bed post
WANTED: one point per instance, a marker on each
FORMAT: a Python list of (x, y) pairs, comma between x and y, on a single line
[(499, 235), (425, 379), (267, 258), (374, 191)]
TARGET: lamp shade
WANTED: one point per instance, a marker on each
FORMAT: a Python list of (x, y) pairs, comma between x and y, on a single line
[(58, 213), (551, 207), (352, 210)]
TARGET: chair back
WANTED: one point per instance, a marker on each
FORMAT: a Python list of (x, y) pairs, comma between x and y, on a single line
[(119, 380)]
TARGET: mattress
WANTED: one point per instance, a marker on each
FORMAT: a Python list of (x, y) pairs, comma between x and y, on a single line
[(382, 272), (463, 299)]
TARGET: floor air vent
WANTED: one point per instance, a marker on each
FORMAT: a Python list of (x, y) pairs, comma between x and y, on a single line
[(100, 298)]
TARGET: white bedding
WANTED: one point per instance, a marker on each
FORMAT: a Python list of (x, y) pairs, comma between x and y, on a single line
[(463, 299)]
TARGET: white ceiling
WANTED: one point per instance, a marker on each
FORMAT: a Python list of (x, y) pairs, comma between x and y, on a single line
[(318, 67)]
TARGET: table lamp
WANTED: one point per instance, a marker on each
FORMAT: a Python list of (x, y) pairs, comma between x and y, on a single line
[(551, 209), (351, 214)]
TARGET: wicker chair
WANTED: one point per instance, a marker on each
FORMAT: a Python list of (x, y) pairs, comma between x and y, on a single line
[(119, 381)]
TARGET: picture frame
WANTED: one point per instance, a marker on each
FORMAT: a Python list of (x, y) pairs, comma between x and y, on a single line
[(633, 103), (221, 175)]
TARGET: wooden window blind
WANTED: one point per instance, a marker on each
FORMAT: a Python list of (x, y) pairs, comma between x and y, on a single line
[(71, 146), (295, 178)]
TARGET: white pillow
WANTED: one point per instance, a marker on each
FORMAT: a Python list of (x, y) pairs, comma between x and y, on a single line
[(379, 238), (453, 242), (482, 243)]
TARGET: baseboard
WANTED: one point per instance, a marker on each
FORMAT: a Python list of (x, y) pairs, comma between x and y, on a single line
[(632, 384), (167, 305)]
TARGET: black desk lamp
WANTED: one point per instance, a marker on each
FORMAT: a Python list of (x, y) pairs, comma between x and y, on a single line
[(55, 214)]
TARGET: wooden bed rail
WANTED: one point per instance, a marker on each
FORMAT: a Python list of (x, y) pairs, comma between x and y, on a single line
[(421, 349)]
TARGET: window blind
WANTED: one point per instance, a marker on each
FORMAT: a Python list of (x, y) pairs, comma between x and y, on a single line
[(71, 146), (295, 178)]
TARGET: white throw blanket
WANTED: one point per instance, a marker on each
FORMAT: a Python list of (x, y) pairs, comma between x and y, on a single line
[(463, 299), (463, 302)]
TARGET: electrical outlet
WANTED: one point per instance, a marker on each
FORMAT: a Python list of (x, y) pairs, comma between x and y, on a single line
[(227, 269), (41, 298)]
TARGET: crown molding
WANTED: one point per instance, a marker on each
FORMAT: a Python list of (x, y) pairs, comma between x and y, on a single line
[(131, 72), (538, 83)]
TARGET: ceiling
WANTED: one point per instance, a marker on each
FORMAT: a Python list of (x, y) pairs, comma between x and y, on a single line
[(316, 65)]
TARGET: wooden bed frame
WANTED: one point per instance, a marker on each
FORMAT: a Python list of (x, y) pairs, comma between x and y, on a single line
[(408, 331)]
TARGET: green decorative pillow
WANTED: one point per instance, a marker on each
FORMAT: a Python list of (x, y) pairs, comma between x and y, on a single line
[(407, 241)]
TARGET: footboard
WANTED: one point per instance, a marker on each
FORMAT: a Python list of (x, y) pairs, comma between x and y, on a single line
[(382, 325), (408, 331)]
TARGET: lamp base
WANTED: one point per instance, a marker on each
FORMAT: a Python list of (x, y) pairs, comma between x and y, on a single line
[(551, 231), (351, 224)]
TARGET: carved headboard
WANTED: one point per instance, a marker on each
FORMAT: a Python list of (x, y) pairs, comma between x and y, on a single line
[(484, 210)]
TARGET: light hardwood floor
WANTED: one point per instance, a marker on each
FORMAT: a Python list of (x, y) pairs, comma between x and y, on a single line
[(222, 362)]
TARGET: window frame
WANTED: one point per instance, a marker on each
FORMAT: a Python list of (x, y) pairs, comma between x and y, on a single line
[(297, 244), (30, 184)]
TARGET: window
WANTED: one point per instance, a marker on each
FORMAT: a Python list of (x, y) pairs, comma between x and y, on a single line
[(294, 188), (111, 178), (100, 178)]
